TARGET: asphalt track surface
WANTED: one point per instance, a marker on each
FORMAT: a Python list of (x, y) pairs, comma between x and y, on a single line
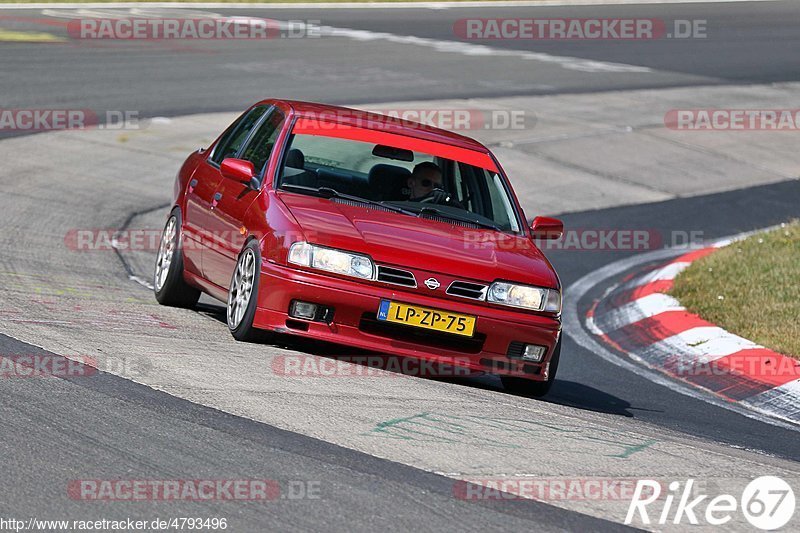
[(112, 425), (56, 425), (746, 43)]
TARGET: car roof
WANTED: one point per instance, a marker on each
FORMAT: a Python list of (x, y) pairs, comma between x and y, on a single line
[(369, 120)]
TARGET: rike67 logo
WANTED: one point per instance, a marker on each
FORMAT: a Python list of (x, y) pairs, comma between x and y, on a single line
[(766, 502)]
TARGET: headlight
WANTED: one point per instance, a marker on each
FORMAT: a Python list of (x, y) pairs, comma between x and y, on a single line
[(524, 296), (331, 260)]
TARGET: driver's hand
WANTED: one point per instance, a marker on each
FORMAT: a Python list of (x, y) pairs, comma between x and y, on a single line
[(439, 196)]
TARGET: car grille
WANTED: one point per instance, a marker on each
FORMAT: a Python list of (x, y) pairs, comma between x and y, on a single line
[(395, 276), (465, 289)]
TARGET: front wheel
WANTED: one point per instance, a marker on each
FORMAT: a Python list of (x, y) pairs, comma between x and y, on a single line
[(168, 284), (528, 387), (243, 296)]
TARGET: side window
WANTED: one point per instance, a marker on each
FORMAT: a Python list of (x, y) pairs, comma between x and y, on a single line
[(236, 135), (262, 142)]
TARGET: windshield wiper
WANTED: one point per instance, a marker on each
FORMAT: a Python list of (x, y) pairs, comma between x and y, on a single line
[(427, 210), (327, 192)]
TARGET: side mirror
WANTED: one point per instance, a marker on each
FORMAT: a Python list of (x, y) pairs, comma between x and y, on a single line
[(240, 171), (547, 228)]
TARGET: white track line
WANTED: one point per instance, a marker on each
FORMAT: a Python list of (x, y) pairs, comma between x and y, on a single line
[(445, 46), (480, 50)]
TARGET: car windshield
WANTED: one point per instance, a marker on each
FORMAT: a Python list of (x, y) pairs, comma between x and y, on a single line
[(409, 181)]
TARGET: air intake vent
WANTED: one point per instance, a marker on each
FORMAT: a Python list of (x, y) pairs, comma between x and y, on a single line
[(464, 289), (345, 201), (395, 276), (515, 350), (450, 221)]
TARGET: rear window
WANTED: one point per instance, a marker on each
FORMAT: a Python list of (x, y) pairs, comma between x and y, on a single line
[(346, 155)]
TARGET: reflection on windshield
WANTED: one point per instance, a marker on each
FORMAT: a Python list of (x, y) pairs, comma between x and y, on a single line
[(427, 185)]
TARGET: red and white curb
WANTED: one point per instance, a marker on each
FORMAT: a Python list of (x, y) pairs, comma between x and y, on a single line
[(637, 318)]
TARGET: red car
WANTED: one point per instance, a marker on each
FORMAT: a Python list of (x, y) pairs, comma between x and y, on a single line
[(367, 231)]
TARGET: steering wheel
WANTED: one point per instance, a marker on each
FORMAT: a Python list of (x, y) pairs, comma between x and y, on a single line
[(437, 196)]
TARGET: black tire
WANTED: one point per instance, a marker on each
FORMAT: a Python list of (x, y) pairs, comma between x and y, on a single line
[(168, 283), (243, 330), (528, 387)]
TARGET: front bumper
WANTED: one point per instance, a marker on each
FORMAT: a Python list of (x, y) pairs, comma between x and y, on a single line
[(354, 323)]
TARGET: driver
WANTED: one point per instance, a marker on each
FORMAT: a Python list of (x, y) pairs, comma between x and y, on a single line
[(426, 185)]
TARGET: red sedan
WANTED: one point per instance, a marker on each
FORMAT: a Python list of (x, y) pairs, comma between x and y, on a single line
[(367, 231)]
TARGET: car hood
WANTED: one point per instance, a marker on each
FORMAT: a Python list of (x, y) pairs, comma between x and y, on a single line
[(402, 240)]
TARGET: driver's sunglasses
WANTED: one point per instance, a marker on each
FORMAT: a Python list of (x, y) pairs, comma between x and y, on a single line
[(429, 183)]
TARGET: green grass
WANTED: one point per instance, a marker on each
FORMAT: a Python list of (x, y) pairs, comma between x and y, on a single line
[(750, 288)]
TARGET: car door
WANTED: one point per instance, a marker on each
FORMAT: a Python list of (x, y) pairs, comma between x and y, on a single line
[(198, 217), (233, 199)]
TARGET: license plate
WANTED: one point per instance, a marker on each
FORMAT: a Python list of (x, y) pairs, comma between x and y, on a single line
[(426, 318)]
